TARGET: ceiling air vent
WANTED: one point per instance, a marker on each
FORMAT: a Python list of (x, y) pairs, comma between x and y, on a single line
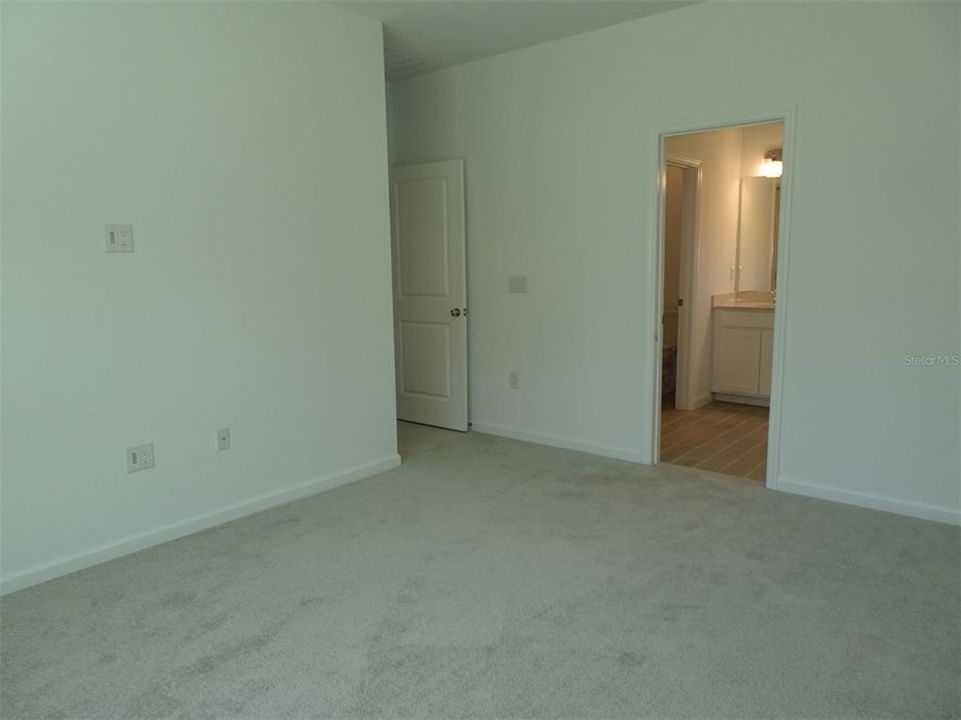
[(396, 64)]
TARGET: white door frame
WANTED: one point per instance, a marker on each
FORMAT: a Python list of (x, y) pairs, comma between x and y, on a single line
[(678, 126), (690, 252)]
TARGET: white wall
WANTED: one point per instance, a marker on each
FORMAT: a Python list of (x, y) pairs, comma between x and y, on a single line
[(556, 139), (246, 144)]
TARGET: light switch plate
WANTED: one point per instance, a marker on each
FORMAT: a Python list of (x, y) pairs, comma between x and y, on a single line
[(140, 457), (223, 439), (118, 238)]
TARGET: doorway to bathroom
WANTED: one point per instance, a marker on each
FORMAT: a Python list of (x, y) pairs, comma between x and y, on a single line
[(720, 252)]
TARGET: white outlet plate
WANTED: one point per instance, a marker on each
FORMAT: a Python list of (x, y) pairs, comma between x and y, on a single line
[(515, 380), (223, 439), (118, 238), (140, 457), (517, 283)]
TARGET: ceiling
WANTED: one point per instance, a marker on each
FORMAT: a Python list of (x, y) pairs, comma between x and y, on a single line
[(425, 35)]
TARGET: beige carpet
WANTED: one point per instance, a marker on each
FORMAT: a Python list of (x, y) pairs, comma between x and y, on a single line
[(492, 578)]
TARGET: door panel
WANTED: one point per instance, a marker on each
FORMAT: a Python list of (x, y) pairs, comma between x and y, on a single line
[(422, 237), (425, 355), (430, 293)]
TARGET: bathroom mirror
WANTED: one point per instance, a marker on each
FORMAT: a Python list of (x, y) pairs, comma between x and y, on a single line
[(757, 235)]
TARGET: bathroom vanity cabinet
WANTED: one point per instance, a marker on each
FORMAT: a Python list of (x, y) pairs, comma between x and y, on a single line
[(743, 342)]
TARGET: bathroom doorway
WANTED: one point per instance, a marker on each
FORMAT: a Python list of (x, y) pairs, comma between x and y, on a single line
[(721, 211)]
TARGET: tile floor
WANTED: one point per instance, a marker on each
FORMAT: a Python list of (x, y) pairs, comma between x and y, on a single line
[(723, 437)]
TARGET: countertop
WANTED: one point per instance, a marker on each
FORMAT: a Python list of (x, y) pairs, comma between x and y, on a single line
[(745, 300)]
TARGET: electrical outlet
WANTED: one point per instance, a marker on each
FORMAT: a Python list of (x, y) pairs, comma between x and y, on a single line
[(140, 457), (517, 283), (118, 238), (223, 439), (515, 380)]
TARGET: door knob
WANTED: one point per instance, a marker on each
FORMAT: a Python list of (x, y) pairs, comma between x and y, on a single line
[(455, 312)]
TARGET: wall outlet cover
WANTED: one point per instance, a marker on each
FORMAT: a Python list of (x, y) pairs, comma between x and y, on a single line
[(517, 283), (118, 238), (140, 457), (515, 380)]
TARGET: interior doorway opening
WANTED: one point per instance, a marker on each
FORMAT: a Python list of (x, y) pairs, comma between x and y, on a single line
[(720, 216)]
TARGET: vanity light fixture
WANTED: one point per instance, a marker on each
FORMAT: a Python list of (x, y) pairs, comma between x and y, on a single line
[(773, 165)]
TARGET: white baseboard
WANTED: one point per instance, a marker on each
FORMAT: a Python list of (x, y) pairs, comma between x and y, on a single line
[(875, 502), (567, 444), (742, 399), (166, 533), (700, 401)]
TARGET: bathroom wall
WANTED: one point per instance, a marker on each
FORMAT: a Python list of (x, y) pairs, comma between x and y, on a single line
[(758, 229), (726, 156), (755, 141), (720, 155)]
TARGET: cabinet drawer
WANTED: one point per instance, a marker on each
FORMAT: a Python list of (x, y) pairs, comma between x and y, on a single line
[(745, 318)]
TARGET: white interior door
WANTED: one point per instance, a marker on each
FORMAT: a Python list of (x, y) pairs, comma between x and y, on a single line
[(430, 293)]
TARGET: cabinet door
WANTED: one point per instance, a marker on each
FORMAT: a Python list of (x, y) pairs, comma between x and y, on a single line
[(767, 350), (737, 358)]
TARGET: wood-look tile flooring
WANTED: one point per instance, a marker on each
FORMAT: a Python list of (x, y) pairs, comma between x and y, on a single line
[(723, 437)]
